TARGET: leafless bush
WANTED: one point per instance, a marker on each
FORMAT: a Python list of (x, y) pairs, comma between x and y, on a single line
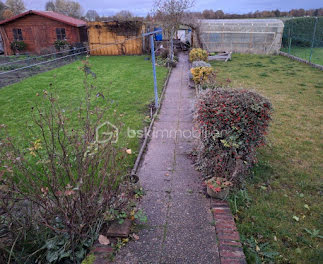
[(170, 14), (55, 192)]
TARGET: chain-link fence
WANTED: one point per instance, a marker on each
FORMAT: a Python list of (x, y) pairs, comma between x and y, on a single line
[(303, 38)]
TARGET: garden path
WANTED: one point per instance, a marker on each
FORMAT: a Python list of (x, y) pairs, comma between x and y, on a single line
[(180, 225)]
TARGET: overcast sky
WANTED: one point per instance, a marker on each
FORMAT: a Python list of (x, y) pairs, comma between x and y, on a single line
[(142, 7)]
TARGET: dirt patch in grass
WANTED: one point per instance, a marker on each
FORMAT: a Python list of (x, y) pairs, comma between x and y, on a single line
[(279, 212)]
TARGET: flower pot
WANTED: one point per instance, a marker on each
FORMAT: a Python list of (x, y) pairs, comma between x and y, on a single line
[(219, 195)]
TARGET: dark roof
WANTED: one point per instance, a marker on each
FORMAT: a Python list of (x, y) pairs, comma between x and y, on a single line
[(51, 15)]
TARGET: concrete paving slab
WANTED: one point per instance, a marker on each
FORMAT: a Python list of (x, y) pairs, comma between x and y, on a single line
[(179, 228)]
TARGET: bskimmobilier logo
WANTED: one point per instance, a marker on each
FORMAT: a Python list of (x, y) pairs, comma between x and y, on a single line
[(106, 132)]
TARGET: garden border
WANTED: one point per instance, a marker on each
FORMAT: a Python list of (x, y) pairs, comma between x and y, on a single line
[(317, 66), (230, 250), (229, 245)]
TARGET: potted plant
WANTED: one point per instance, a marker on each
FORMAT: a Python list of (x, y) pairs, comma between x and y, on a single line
[(218, 187), (60, 44), (17, 46)]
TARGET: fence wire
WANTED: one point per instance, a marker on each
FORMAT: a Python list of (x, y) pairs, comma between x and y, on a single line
[(303, 38), (16, 70)]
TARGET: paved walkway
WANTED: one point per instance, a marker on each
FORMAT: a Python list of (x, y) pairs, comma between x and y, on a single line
[(179, 228)]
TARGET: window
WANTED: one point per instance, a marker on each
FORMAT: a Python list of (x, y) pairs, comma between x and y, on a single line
[(17, 34), (60, 33)]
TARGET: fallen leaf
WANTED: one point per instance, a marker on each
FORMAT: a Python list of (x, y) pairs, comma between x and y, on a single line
[(257, 248), (129, 151), (296, 218), (136, 237), (306, 206), (103, 240)]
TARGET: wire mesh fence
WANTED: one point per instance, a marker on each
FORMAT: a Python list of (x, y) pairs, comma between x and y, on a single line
[(16, 69), (303, 38), (19, 68)]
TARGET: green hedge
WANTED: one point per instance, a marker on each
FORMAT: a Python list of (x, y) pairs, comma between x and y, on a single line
[(301, 31)]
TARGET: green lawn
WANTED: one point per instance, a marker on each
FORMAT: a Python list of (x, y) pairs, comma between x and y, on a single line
[(304, 53), (125, 81), (282, 201)]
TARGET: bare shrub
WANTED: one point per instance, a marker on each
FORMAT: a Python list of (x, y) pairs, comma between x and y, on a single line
[(55, 192)]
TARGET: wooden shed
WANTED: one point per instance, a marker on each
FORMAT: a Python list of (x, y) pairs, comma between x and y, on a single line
[(126, 34), (40, 29)]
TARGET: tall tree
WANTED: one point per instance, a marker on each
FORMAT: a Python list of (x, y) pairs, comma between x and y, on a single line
[(7, 13), (2, 8), (66, 7), (16, 6), (170, 13), (123, 15), (50, 6), (92, 15)]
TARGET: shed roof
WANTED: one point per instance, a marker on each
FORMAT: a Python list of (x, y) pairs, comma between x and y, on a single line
[(51, 15)]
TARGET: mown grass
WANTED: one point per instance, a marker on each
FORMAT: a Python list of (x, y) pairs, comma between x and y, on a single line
[(304, 53), (125, 81), (282, 200)]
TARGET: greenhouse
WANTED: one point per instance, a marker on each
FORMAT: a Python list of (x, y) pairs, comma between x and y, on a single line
[(261, 36)]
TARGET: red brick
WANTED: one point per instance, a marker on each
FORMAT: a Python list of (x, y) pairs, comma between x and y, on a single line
[(225, 221), (230, 248), (233, 261), (218, 210), (231, 254), (223, 216), (230, 226), (218, 203), (229, 243), (228, 236)]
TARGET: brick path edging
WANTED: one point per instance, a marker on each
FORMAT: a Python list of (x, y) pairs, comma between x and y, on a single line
[(230, 247)]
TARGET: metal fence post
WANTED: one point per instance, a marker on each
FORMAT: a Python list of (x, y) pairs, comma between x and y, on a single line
[(289, 41), (153, 61), (313, 39), (154, 68)]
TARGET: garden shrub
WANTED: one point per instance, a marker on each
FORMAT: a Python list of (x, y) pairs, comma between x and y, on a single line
[(60, 44), (56, 192), (233, 124), (203, 75), (18, 45), (198, 55)]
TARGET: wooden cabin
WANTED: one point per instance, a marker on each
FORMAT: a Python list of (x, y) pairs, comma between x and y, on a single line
[(116, 37), (40, 29)]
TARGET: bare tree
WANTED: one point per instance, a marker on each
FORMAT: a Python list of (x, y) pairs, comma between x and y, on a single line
[(2, 9), (170, 14), (16, 6), (92, 15), (50, 6), (7, 13), (66, 7), (123, 15)]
